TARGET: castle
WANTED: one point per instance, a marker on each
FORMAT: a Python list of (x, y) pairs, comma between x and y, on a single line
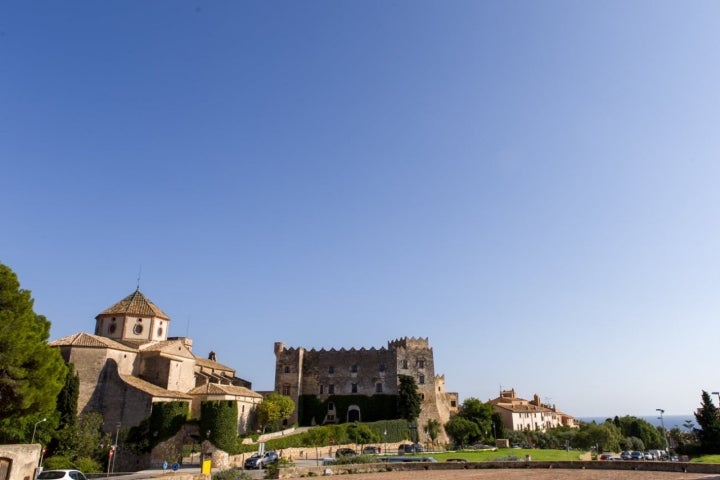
[(130, 363), (324, 375)]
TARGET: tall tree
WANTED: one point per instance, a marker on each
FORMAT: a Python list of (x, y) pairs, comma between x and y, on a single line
[(409, 400), (274, 408), (31, 372), (709, 432), (478, 412)]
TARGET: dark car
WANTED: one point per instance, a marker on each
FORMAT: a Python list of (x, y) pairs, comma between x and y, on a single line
[(345, 452), (258, 461), (414, 448), (371, 450)]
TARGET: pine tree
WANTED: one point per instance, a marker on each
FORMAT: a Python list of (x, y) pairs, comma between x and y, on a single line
[(709, 431), (409, 400), (31, 372)]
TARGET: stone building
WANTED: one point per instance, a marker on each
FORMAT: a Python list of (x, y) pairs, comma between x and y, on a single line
[(130, 363), (366, 372), (520, 414)]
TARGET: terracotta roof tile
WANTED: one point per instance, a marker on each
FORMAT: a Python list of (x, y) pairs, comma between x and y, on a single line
[(204, 362), (90, 341), (135, 304), (217, 389), (152, 389)]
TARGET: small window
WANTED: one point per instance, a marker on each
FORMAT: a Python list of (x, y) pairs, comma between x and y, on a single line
[(331, 369), (137, 330), (159, 332), (322, 389), (453, 403), (287, 369), (421, 379), (112, 328), (353, 388), (422, 396), (404, 364), (286, 390), (331, 389), (378, 388), (331, 405), (421, 363), (353, 369), (382, 367)]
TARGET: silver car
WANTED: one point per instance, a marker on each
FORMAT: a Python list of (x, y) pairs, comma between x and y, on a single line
[(61, 475)]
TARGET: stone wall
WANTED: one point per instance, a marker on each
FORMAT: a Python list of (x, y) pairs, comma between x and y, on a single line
[(23, 460)]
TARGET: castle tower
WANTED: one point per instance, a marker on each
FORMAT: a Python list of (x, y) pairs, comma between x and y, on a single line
[(134, 318)]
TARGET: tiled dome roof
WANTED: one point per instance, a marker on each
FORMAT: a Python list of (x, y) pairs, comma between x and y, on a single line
[(135, 304)]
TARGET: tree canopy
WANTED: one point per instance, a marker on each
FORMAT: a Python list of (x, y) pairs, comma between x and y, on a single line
[(273, 408), (709, 431), (31, 372), (409, 400)]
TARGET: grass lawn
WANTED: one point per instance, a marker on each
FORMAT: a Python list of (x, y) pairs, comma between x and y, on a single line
[(509, 453), (706, 459)]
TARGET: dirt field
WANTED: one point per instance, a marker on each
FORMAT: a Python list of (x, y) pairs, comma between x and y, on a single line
[(534, 474)]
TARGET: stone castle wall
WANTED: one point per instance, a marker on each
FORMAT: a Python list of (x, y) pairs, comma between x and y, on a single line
[(365, 371)]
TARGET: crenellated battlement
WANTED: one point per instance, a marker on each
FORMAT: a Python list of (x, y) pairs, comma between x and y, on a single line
[(410, 342)]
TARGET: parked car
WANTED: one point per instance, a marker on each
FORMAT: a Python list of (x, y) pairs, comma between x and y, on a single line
[(257, 461), (371, 450), (625, 456), (61, 475), (481, 446), (414, 448), (345, 452), (635, 455)]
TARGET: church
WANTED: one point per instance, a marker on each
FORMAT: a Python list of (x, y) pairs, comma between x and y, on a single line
[(130, 363)]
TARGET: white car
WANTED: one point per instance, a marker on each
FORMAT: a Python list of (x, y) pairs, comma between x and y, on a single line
[(61, 475)]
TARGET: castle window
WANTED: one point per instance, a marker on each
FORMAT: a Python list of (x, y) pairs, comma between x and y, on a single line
[(382, 367), (287, 369), (331, 369), (453, 403), (353, 388), (353, 369), (404, 364), (331, 405), (378, 388), (422, 396), (322, 389), (286, 389), (421, 380), (421, 363), (137, 330), (331, 389)]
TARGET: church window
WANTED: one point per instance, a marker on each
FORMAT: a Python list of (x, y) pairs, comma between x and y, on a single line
[(159, 332), (354, 388), (112, 328), (378, 388), (137, 330), (331, 389), (353, 369)]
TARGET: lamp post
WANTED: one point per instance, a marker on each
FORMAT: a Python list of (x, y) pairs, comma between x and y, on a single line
[(115, 447), (35, 429), (662, 424), (718, 394), (385, 436)]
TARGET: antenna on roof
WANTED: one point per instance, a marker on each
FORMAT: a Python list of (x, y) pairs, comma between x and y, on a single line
[(138, 277)]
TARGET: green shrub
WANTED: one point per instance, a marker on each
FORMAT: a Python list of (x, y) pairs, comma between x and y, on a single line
[(231, 474), (57, 462), (87, 465)]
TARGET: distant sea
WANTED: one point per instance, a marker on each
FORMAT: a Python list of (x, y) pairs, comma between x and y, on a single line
[(670, 421)]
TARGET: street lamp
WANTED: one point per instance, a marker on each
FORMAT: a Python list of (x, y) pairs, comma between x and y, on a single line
[(385, 435), (115, 447), (718, 394), (662, 424), (35, 429)]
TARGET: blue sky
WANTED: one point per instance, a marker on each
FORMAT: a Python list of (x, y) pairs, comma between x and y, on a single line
[(533, 185)]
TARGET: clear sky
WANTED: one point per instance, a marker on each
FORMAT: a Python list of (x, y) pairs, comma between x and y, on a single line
[(533, 185)]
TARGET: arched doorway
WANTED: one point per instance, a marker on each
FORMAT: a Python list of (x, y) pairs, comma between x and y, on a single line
[(353, 414)]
